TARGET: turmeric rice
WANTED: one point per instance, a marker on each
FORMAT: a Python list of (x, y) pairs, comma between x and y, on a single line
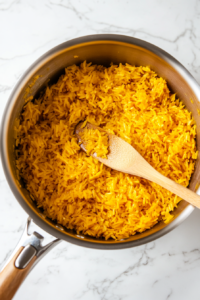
[(76, 190), (95, 142)]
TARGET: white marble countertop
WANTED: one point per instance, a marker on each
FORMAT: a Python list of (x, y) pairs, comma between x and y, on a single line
[(168, 268)]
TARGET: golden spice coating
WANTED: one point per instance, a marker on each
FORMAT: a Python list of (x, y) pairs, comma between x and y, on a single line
[(96, 142), (78, 191)]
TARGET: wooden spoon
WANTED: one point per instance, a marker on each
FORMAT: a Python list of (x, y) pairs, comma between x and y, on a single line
[(124, 158)]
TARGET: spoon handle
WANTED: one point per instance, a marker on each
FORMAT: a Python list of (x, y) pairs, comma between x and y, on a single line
[(148, 172)]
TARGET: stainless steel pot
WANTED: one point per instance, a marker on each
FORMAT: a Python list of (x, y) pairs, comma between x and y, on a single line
[(98, 49)]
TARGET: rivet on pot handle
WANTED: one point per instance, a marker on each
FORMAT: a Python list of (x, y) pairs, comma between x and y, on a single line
[(26, 255)]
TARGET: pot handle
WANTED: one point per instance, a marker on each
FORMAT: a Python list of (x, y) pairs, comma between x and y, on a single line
[(25, 256)]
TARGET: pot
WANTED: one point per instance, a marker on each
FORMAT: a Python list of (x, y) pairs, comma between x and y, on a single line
[(98, 49)]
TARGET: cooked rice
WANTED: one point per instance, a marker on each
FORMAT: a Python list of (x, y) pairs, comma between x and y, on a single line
[(95, 141), (76, 190)]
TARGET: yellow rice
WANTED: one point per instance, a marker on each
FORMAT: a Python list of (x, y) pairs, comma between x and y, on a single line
[(95, 141), (75, 189)]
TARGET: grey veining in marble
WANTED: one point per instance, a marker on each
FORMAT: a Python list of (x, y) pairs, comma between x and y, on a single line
[(168, 268)]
